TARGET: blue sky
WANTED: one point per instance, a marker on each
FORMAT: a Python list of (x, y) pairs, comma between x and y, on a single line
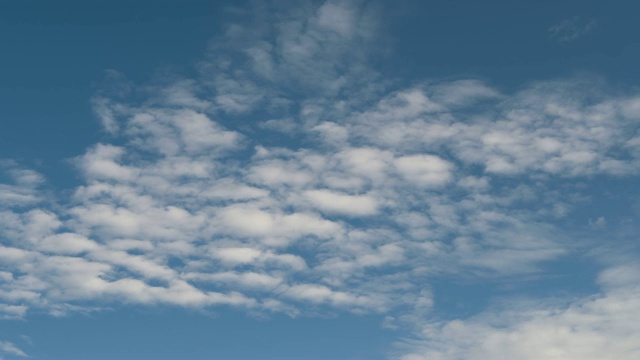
[(319, 180)]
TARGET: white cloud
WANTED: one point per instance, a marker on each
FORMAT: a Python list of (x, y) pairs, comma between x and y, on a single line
[(277, 172), (333, 133), (12, 311), (367, 194), (273, 226), (333, 202), (322, 294), (604, 326), (563, 127), (237, 255), (9, 348), (170, 131), (370, 163), (24, 186), (67, 243), (103, 109), (101, 162)]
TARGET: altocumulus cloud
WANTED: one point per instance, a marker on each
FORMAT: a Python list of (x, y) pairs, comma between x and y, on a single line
[(370, 193)]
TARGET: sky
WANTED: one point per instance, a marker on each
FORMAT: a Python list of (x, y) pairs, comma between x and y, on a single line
[(350, 179)]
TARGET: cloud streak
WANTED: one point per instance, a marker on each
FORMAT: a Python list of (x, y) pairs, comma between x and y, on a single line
[(8, 348), (571, 29)]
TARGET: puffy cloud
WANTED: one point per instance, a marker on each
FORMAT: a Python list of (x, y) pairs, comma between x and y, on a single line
[(333, 202), (273, 226), (322, 294), (169, 131), (424, 170), (67, 243), (287, 176), (101, 162), (237, 255), (556, 127)]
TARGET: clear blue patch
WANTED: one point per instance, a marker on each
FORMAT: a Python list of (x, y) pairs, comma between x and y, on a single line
[(136, 333)]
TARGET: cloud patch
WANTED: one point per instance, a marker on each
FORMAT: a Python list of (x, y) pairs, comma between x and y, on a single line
[(571, 29), (288, 176)]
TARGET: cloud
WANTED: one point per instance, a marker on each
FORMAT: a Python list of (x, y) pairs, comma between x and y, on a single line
[(168, 207), (359, 196), (23, 187), (8, 348), (571, 29), (333, 202), (556, 127), (425, 170), (602, 326)]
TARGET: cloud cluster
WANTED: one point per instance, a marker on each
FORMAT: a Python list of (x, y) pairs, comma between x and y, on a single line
[(563, 127), (603, 326), (288, 177)]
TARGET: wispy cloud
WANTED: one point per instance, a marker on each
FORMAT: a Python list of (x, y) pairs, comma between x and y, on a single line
[(8, 348), (571, 29)]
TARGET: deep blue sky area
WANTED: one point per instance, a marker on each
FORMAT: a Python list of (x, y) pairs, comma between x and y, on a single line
[(508, 41), (54, 55), (402, 180)]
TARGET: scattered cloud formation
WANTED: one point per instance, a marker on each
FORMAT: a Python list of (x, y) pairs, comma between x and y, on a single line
[(288, 176)]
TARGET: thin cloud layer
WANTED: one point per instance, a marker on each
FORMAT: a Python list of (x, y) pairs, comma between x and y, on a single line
[(8, 348), (287, 176), (571, 29)]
